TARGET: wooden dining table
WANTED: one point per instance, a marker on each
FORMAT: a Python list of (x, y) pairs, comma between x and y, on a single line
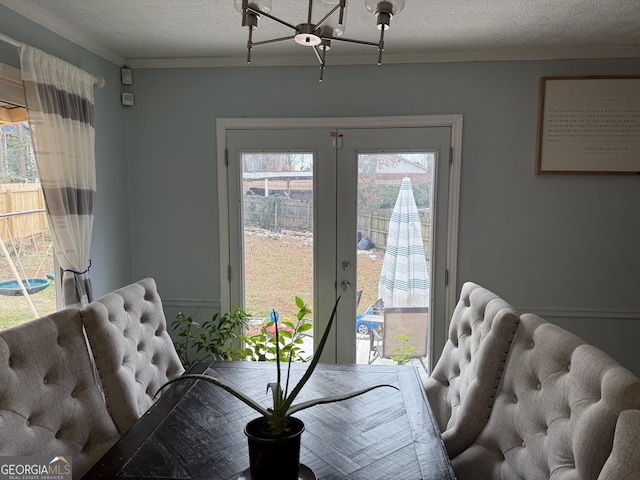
[(196, 429)]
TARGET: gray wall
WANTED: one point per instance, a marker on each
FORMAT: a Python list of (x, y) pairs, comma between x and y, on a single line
[(560, 246), (111, 246), (565, 247)]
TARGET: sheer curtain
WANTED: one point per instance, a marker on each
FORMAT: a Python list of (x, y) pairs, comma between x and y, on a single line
[(60, 108)]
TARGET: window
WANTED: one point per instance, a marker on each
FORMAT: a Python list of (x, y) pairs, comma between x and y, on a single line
[(26, 250)]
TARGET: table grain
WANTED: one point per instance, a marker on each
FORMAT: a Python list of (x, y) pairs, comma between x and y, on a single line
[(196, 430)]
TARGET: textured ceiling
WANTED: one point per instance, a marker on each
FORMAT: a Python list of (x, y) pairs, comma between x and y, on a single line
[(156, 31)]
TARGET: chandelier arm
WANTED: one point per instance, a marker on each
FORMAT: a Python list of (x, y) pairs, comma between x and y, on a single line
[(244, 13), (310, 9), (316, 50), (327, 16), (322, 63), (273, 40), (268, 15), (351, 40), (321, 59), (381, 46)]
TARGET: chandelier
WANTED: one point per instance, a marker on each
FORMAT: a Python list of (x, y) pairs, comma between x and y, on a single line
[(320, 33)]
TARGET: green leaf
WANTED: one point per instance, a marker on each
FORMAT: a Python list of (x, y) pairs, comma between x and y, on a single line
[(333, 399), (315, 360), (225, 386), (305, 327)]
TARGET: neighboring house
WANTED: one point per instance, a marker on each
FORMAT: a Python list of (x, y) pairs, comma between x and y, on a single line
[(392, 171)]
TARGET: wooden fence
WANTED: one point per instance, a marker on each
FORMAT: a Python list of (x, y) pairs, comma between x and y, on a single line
[(280, 213), (375, 226), (21, 211)]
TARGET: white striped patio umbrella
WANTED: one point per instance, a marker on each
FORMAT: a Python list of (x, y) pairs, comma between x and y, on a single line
[(404, 281)]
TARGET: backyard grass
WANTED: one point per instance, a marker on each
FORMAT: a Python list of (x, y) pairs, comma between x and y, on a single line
[(279, 266), (35, 262)]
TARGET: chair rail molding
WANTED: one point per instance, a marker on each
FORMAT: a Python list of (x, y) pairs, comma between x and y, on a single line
[(575, 312), (192, 302)]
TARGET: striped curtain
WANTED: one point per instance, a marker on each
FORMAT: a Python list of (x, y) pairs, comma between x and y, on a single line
[(60, 109)]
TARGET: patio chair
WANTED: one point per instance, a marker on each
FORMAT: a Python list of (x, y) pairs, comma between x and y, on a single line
[(403, 327)]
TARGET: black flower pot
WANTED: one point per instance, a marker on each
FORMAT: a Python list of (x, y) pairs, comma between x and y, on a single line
[(271, 458)]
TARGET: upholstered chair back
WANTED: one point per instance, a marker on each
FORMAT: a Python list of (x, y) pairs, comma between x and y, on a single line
[(555, 412), (50, 403), (133, 351), (462, 387), (624, 461)]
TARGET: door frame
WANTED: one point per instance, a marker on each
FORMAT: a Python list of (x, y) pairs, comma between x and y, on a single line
[(454, 121)]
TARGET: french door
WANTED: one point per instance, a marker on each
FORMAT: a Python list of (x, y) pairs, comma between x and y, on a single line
[(307, 209)]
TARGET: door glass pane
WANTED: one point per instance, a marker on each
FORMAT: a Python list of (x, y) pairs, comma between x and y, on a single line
[(394, 232), (277, 198)]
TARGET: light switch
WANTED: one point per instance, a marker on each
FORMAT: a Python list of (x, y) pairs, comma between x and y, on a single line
[(127, 99)]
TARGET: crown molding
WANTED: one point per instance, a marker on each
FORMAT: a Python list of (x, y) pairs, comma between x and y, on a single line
[(62, 29), (426, 57)]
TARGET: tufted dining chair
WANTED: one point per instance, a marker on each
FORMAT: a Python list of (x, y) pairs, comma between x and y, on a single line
[(463, 383), (133, 352), (49, 401), (624, 461), (555, 412)]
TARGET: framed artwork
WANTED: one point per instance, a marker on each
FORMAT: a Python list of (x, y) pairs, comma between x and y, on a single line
[(589, 125)]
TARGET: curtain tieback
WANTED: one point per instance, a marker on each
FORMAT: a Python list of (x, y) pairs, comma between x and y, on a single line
[(76, 272)]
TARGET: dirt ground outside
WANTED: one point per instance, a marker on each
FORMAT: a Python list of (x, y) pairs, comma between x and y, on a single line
[(279, 266)]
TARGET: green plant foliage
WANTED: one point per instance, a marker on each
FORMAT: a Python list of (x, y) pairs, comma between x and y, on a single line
[(213, 340), (276, 417), (373, 197), (404, 351), (265, 347)]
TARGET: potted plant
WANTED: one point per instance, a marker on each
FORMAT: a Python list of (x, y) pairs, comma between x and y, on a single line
[(211, 340), (274, 438)]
